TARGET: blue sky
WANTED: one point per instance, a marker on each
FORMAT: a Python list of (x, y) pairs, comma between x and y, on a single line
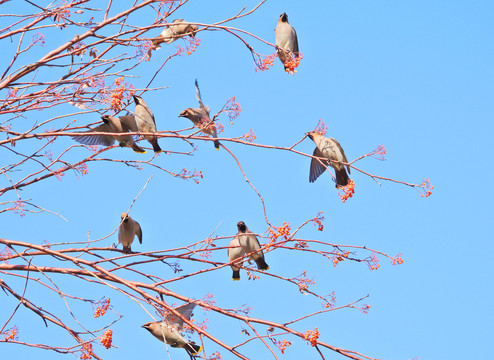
[(415, 76)]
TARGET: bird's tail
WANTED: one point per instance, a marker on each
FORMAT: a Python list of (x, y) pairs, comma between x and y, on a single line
[(261, 264), (156, 43), (138, 149), (236, 275), (342, 178), (216, 144), (156, 147), (126, 249), (193, 349)]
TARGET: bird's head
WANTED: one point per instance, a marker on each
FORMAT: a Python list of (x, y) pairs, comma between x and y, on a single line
[(124, 217), (186, 113), (313, 135), (137, 99), (241, 226), (284, 17), (105, 118)]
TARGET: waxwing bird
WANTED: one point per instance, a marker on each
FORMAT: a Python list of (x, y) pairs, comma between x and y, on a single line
[(173, 32), (329, 149), (286, 39), (168, 330), (200, 118), (251, 245), (235, 251), (112, 124), (145, 122), (127, 230)]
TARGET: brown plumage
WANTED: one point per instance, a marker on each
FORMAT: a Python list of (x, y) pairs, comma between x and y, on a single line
[(285, 39), (169, 329), (176, 29), (114, 125), (245, 243), (128, 229), (145, 122), (200, 118), (329, 149)]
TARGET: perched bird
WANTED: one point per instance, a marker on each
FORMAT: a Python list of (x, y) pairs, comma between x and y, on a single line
[(245, 243), (285, 39), (235, 251), (174, 32), (251, 245), (200, 118), (145, 122), (112, 124), (127, 230), (329, 149), (168, 330)]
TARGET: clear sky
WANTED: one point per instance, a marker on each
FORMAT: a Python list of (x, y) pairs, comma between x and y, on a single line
[(415, 76)]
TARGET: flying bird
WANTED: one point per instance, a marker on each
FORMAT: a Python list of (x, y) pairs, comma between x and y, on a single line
[(127, 230), (200, 118), (168, 330), (329, 149), (285, 39), (245, 243), (114, 125), (145, 122), (173, 32)]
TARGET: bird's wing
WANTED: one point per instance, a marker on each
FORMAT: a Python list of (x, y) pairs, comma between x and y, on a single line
[(198, 95), (343, 156), (138, 231), (150, 113), (185, 310), (199, 99), (104, 140), (316, 168), (250, 235), (128, 123), (295, 43)]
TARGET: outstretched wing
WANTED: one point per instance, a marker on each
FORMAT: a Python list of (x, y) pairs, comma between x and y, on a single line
[(185, 310), (316, 168), (199, 99), (128, 123), (104, 140)]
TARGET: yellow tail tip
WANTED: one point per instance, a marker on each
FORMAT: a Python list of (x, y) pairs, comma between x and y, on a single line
[(140, 152), (236, 279), (198, 351)]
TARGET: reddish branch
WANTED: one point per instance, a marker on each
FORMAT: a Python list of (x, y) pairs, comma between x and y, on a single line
[(94, 272), (78, 73)]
